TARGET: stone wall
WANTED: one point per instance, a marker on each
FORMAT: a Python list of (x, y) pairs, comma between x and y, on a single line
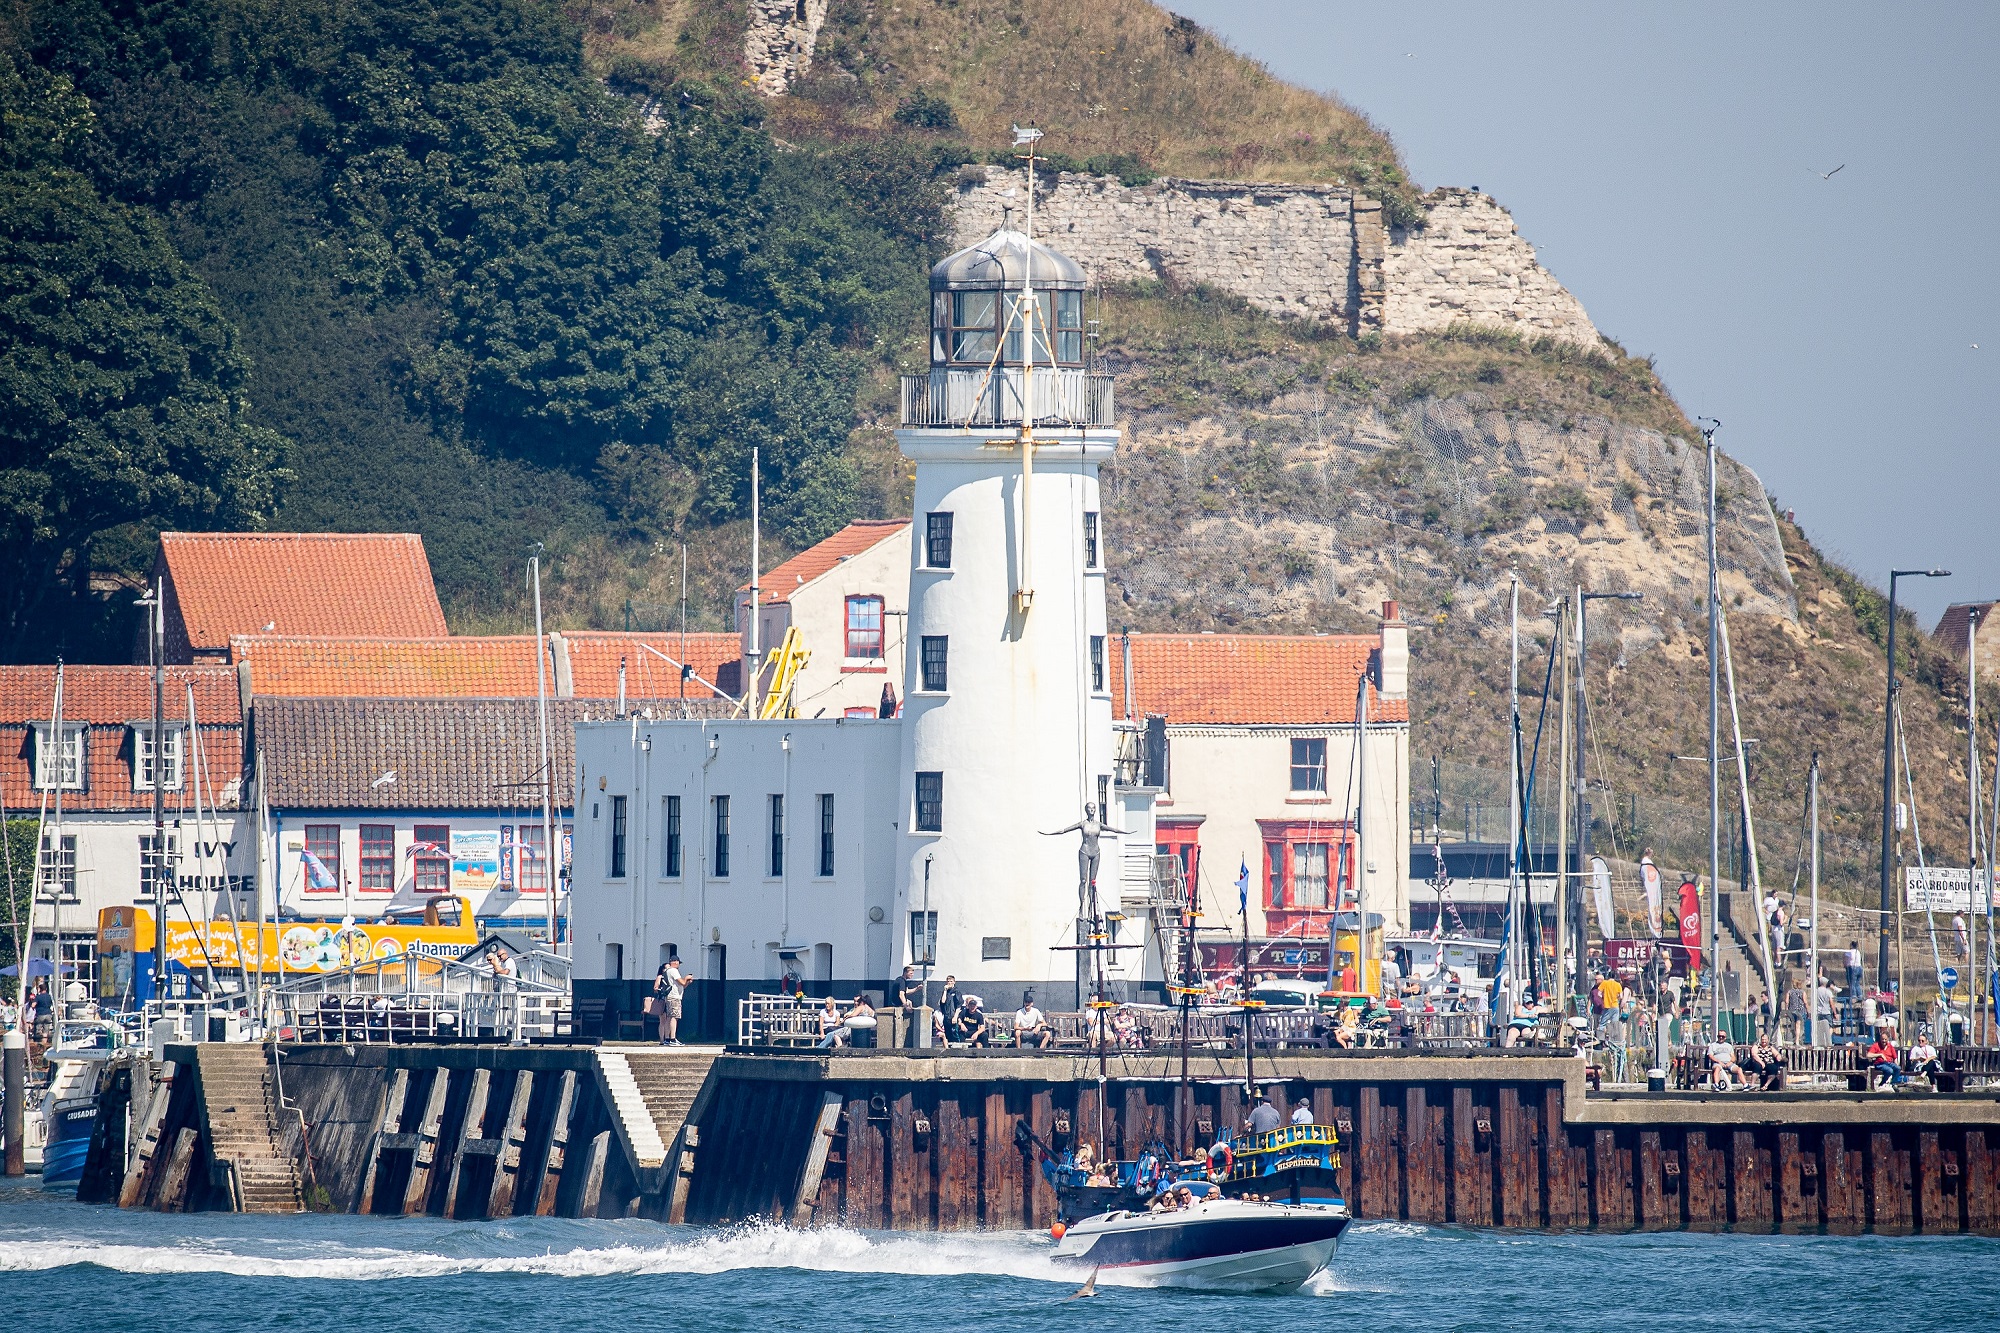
[(778, 44), (1301, 251)]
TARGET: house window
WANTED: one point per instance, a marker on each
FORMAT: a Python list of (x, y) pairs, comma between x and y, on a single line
[(856, 714), (323, 847), (617, 870), (143, 757), (430, 849), (378, 858), (532, 871), (1308, 874), (1089, 540), (777, 835), (1309, 764), (670, 850), (1274, 874), (1097, 663), (930, 802), (720, 862), (972, 326), (864, 627), (826, 833), (59, 867), (1183, 842), (937, 541), (923, 938), (72, 757), (934, 654)]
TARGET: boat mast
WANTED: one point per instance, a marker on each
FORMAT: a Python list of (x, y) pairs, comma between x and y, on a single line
[(1514, 788), (549, 858), (1715, 745), (1812, 965)]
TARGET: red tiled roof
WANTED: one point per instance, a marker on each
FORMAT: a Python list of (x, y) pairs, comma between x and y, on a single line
[(594, 656), (486, 667), (226, 583), (779, 581), (108, 699), (1249, 679)]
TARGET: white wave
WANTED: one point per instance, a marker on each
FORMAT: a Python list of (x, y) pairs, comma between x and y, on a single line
[(832, 1250)]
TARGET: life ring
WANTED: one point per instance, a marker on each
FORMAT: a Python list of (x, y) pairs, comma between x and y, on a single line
[(1227, 1157)]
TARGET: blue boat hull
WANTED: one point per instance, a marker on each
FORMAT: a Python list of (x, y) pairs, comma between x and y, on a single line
[(68, 1144)]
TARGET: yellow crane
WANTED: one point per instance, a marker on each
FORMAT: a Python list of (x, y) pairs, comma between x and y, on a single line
[(786, 661)]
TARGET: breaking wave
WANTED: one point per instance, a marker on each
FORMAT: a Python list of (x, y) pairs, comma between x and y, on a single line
[(830, 1250)]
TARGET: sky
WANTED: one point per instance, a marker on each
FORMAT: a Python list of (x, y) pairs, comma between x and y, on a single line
[(1666, 162)]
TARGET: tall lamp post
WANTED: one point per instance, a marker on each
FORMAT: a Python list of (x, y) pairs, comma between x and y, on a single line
[(1889, 777), (1579, 932)]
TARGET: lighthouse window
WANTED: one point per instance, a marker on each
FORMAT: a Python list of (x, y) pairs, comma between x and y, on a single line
[(864, 627), (1097, 663), (1069, 327), (826, 833), (937, 541), (934, 660), (777, 835), (617, 870), (972, 321), (1044, 302), (1090, 539), (930, 802)]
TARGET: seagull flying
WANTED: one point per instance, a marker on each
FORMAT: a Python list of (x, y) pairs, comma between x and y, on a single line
[(388, 779), (1829, 175)]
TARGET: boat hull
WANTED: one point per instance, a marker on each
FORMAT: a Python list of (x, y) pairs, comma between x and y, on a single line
[(1223, 1245), (69, 1126)]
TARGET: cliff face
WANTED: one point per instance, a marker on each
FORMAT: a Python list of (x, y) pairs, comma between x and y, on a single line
[(1310, 251)]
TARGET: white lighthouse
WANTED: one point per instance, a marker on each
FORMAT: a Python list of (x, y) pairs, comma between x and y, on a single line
[(1007, 732)]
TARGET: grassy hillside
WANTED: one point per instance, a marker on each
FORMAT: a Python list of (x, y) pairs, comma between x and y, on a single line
[(1276, 478), (1122, 84)]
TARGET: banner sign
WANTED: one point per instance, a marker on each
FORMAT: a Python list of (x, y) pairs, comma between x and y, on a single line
[(1690, 919), (1629, 958), (1941, 889), (1285, 958), (475, 861)]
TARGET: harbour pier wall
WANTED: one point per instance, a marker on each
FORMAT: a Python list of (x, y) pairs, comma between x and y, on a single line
[(922, 1140)]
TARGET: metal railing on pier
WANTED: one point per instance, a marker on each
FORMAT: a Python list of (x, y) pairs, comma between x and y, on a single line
[(411, 999)]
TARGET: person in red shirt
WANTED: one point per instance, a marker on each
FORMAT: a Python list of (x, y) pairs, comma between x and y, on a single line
[(1882, 1059)]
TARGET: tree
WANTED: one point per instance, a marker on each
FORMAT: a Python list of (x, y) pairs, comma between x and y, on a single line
[(121, 384)]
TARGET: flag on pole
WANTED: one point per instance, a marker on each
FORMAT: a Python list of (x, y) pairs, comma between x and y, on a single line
[(317, 875), (1243, 887)]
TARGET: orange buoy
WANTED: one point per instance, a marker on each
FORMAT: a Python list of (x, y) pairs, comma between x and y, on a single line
[(1056, 1231)]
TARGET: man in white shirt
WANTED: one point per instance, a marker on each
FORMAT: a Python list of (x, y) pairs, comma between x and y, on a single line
[(1302, 1114), (1725, 1075), (1823, 1011), (1031, 1027)]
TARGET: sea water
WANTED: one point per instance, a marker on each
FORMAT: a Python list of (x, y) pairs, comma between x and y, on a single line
[(65, 1266)]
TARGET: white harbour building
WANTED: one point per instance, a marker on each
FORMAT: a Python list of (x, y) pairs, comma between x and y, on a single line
[(835, 846)]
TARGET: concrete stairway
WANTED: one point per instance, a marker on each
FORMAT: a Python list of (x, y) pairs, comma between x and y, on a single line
[(240, 1112), (650, 1090)]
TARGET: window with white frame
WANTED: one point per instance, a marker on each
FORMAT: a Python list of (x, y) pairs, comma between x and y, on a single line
[(58, 868), (151, 869), (1309, 764), (145, 759), (71, 763)]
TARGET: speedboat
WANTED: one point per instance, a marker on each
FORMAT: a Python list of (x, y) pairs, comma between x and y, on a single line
[(1215, 1243)]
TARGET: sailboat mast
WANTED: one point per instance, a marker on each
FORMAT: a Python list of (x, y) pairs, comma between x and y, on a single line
[(1812, 966), (551, 862), (1714, 745)]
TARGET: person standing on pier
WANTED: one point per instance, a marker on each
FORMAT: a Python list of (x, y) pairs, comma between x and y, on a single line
[(668, 988)]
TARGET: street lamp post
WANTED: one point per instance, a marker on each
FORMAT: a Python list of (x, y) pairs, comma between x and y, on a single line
[(1889, 777), (1578, 931)]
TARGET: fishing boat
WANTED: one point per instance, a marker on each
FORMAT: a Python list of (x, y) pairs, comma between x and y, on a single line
[(68, 1110)]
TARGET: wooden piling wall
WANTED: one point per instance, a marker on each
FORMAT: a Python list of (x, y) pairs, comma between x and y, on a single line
[(928, 1141), (1509, 1141)]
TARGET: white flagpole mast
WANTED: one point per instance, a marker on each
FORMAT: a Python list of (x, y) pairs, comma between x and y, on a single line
[(549, 857)]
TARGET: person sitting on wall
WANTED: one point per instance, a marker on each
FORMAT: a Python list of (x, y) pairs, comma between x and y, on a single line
[(832, 1030), (1767, 1065), (1923, 1058), (1724, 1074), (1031, 1026), (972, 1028), (1882, 1058)]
